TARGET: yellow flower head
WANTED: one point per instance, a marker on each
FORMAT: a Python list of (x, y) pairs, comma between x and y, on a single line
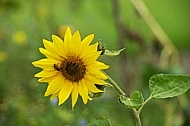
[(71, 67)]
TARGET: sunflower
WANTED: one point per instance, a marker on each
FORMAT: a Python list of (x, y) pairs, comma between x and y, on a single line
[(71, 67)]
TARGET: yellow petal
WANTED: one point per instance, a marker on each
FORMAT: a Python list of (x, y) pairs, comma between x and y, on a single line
[(49, 47), (75, 43), (92, 58), (55, 85), (98, 65), (95, 80), (96, 73), (44, 64), (74, 94), (93, 47), (59, 45), (87, 40), (89, 50), (65, 92), (49, 55), (46, 73), (54, 95), (68, 35), (45, 79), (91, 87), (57, 39), (89, 98), (83, 91)]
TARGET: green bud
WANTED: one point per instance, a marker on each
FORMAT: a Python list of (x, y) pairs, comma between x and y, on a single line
[(101, 47)]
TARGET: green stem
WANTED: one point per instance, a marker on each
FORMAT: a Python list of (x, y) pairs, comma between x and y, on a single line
[(115, 85), (136, 115), (140, 109), (121, 92)]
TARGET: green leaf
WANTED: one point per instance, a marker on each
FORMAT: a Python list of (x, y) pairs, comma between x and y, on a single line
[(135, 101), (100, 122), (110, 53), (168, 85), (113, 52)]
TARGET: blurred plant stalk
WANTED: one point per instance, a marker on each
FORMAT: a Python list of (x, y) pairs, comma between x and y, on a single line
[(169, 54)]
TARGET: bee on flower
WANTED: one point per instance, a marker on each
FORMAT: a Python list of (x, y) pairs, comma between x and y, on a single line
[(71, 67)]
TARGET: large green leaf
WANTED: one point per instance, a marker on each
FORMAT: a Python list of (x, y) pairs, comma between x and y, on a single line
[(101, 121), (168, 85), (135, 101)]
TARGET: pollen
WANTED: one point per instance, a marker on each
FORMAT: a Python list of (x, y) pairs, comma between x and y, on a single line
[(73, 69)]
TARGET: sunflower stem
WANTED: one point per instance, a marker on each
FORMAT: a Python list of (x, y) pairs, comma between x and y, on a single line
[(115, 85), (136, 114)]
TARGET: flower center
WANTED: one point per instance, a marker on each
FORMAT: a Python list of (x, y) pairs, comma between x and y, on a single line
[(73, 69)]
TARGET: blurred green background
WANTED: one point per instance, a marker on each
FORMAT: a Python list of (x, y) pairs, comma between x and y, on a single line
[(23, 25)]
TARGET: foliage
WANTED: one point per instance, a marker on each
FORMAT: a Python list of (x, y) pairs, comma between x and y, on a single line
[(168, 85), (23, 25), (135, 101)]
